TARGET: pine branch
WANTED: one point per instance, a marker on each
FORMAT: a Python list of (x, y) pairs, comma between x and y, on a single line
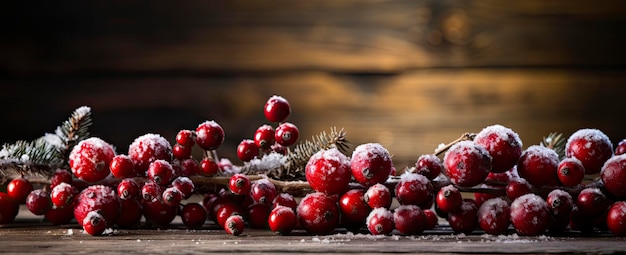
[(36, 158), (74, 130), (555, 141)]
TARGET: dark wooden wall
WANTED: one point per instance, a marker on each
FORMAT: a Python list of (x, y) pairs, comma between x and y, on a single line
[(408, 74)]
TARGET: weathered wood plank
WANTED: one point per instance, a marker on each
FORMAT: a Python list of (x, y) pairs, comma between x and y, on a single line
[(352, 36)]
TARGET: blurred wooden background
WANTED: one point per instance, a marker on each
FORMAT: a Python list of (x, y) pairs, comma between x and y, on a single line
[(407, 74)]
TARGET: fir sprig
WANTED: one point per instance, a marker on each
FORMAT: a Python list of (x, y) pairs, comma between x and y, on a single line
[(555, 141)]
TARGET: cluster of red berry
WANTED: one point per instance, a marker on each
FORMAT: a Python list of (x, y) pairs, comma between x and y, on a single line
[(532, 190)]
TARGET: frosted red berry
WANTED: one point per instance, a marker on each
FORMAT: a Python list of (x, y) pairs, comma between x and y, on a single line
[(517, 188), (282, 220), (378, 195), (184, 185), (614, 176), (571, 172), (239, 184), (97, 197), (286, 134), (561, 205), (370, 164), (122, 167), (285, 199), (591, 146), (318, 213), (90, 159), (264, 137), (277, 109), (616, 218), (209, 167), (530, 215), (539, 165), (247, 150), (449, 199), (429, 165), (414, 189), (8, 208), (464, 220), (409, 220), (147, 149), (186, 138), (328, 171), (94, 223), (131, 213), (380, 221), (158, 213), (160, 172), (354, 209), (188, 167), (38, 202), (227, 210), (60, 176), (621, 147), (63, 195), (431, 219), (494, 216), (591, 202), (181, 152), (18, 189), (263, 191), (172, 196), (503, 144), (209, 135), (481, 197), (467, 164), (193, 215), (234, 225), (151, 192)]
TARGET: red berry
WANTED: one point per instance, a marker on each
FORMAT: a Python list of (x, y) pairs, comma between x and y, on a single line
[(354, 209), (538, 165), (371, 163), (467, 164), (571, 172), (318, 213), (181, 152), (378, 196), (209, 135), (172, 196), (227, 210), (286, 134), (60, 176), (263, 191), (503, 144), (328, 171), (160, 172), (616, 218), (8, 208), (409, 220), (18, 189), (380, 221), (614, 176), (282, 220), (277, 109), (184, 185), (247, 150), (591, 146), (414, 189), (239, 184), (90, 159), (449, 199), (94, 223), (159, 213), (94, 198), (282, 150), (494, 216), (209, 167), (464, 220), (481, 197), (429, 165), (517, 188), (60, 215), (264, 137), (285, 199), (530, 215), (151, 192), (621, 148), (501, 179), (122, 167), (189, 167), (219, 202), (38, 202), (234, 225), (63, 195), (193, 215), (147, 149), (132, 212), (257, 215), (592, 202), (431, 219), (186, 138), (561, 206)]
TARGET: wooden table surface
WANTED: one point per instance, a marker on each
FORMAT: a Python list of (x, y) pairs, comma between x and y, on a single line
[(29, 235)]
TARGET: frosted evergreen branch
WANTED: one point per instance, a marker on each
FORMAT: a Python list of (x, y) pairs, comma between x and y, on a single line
[(75, 129), (29, 158), (555, 141)]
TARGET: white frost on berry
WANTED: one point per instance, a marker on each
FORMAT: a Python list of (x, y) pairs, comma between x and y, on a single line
[(369, 151), (591, 136), (59, 188), (492, 207), (380, 213), (501, 133), (529, 203), (209, 123), (546, 155), (90, 216)]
